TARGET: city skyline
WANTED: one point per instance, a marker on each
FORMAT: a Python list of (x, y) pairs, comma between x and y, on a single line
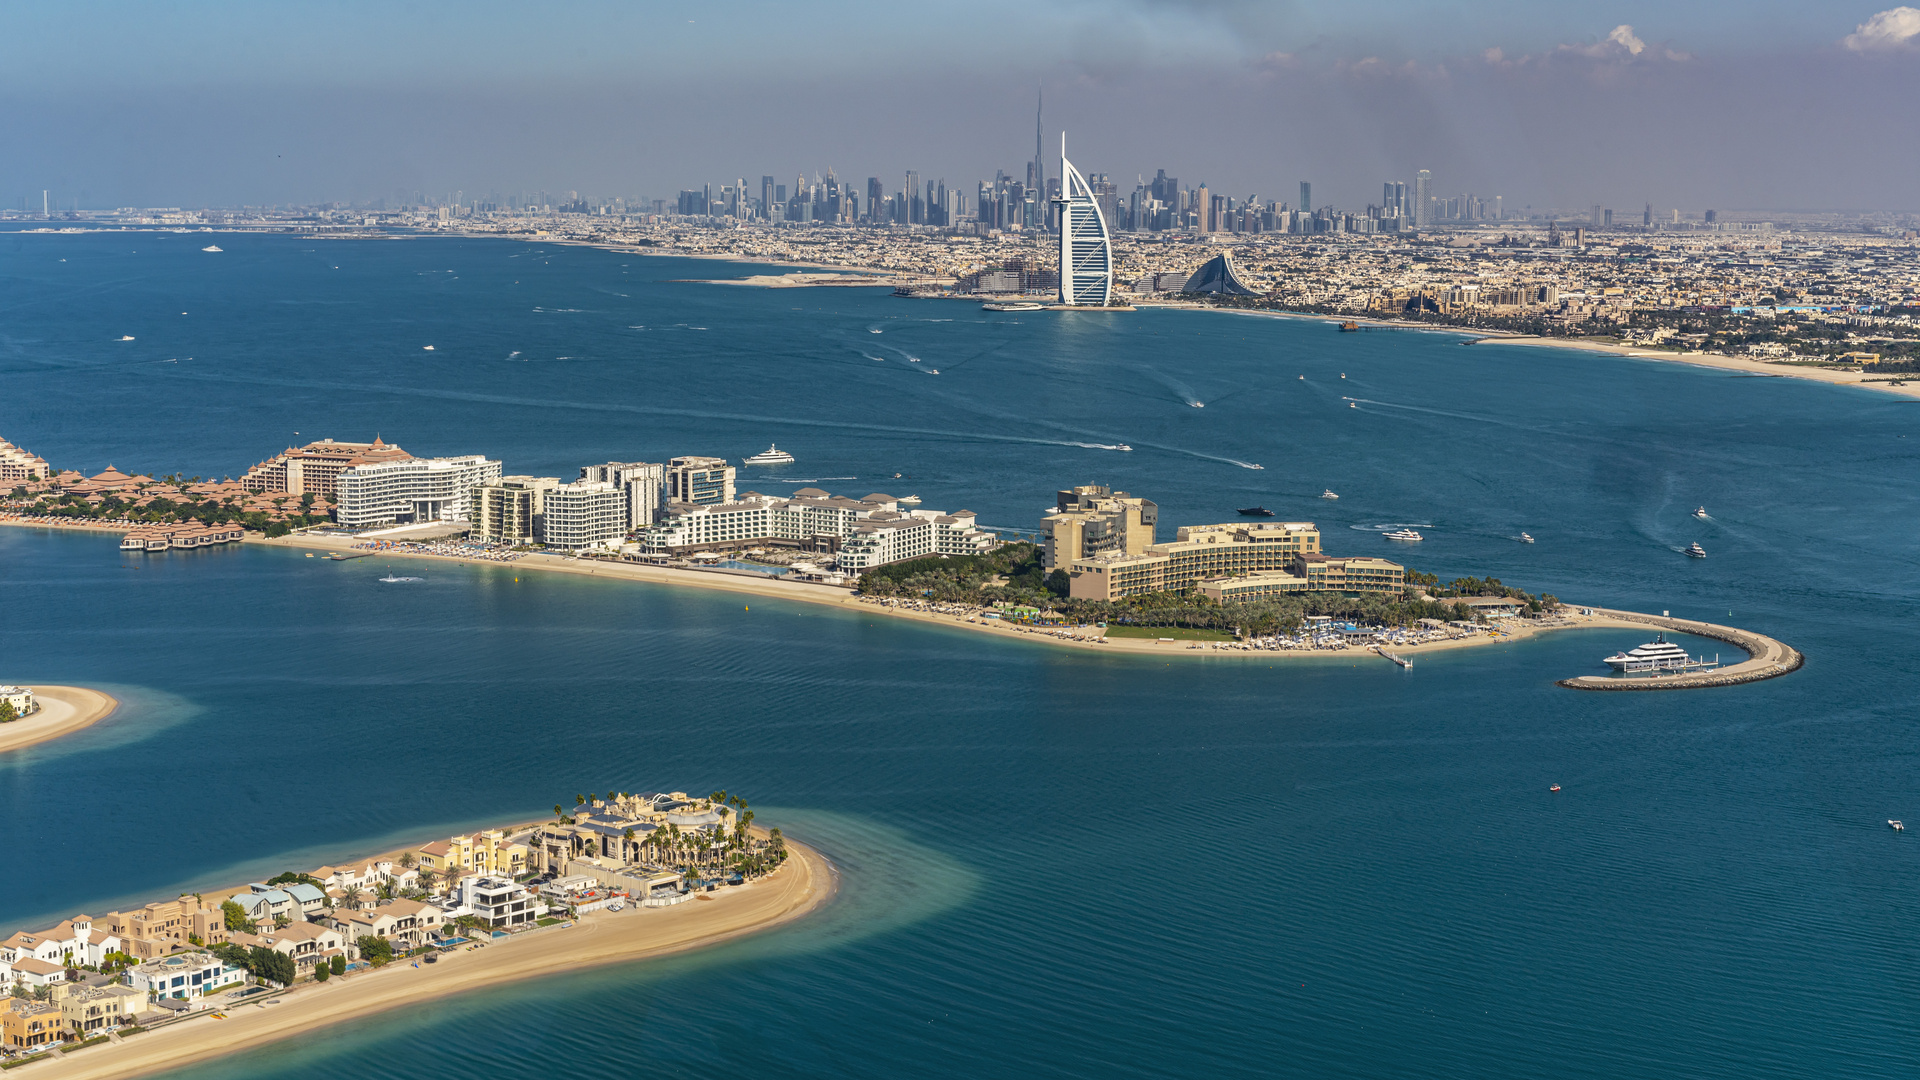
[(1676, 106)]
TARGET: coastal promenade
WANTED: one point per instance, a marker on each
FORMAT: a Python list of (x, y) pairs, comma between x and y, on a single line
[(63, 711), (1766, 658), (800, 885)]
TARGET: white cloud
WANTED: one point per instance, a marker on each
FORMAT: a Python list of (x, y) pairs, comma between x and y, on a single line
[(1894, 28), (1621, 44)]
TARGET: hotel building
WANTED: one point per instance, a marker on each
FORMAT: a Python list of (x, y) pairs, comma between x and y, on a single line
[(314, 469), (867, 532), (411, 491), (703, 481), (1234, 561), (643, 483), (1090, 519), (583, 514), (508, 510), (1086, 249), (16, 464)]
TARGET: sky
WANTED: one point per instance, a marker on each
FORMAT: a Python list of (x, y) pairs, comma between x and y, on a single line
[(1686, 104)]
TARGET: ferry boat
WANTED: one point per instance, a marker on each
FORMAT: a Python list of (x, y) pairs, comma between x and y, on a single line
[(1525, 539), (1656, 655), (1406, 535), (1328, 494), (1700, 511), (1010, 305), (1255, 511), (1695, 551), (772, 456)]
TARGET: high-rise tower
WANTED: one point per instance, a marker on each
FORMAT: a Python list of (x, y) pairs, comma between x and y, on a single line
[(1038, 182), (1422, 211), (1086, 248)]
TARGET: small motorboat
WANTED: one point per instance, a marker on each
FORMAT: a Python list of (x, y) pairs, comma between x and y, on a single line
[(1700, 511), (428, 348), (1525, 539), (1555, 787), (1328, 494), (1198, 404), (1124, 446), (1896, 826), (1255, 511), (1407, 536), (1353, 404), (1303, 378), (1695, 551), (209, 247), (1343, 374)]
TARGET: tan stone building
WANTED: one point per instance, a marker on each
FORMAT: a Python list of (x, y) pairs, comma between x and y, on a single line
[(161, 928), (1237, 560), (1091, 520), (313, 469), (487, 852)]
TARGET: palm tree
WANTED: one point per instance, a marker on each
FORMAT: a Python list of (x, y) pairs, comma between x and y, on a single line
[(351, 895)]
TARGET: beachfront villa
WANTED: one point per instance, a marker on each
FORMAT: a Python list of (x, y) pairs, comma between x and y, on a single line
[(20, 697), (488, 852), (184, 975), (1097, 538)]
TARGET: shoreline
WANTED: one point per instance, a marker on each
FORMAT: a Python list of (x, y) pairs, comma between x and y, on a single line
[(801, 885), (1758, 368), (1002, 629), (63, 711)]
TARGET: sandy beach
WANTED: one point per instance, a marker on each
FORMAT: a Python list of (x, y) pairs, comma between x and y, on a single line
[(63, 711), (801, 885), (1725, 363)]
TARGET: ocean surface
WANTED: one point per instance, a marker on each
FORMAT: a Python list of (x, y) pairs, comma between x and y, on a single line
[(1055, 864)]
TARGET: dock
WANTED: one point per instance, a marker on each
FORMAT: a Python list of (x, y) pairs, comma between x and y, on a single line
[(1766, 658), (1395, 657), (347, 556)]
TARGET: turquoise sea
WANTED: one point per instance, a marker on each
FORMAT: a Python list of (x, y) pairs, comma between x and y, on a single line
[(1054, 864)]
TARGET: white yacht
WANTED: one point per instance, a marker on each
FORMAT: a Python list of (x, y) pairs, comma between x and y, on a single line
[(1695, 551), (1406, 535), (1525, 539), (1700, 511), (772, 456), (909, 500), (1328, 494), (1011, 305), (1656, 655), (211, 247)]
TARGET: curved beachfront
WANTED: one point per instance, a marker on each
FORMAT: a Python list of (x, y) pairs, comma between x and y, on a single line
[(63, 711), (801, 884)]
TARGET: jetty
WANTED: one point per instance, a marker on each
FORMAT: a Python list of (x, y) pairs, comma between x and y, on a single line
[(1767, 658), (1395, 657)]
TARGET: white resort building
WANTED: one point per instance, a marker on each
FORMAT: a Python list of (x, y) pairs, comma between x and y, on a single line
[(1086, 249), (584, 514), (866, 532), (411, 491)]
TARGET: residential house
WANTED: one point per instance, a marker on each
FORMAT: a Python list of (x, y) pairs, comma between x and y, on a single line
[(266, 905), (188, 976), (501, 904), (86, 1009), (34, 973), (308, 944), (27, 1024), (487, 852), (168, 926), (306, 898), (408, 924)]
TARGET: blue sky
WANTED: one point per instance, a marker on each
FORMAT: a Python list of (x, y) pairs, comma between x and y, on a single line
[(1684, 103)]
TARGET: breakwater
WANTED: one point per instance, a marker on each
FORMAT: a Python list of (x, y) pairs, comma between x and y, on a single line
[(1767, 658)]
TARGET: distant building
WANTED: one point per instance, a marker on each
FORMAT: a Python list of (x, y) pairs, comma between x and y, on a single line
[(1306, 197), (1422, 199), (508, 510), (1090, 519), (16, 464), (641, 481), (1234, 561), (412, 491), (814, 520), (583, 514), (1218, 276), (700, 481), (1086, 252), (314, 468)]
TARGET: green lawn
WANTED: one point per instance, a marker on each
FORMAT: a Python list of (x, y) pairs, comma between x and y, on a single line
[(1178, 633)]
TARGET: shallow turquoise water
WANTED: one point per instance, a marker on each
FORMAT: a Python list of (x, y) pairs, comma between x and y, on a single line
[(1056, 865)]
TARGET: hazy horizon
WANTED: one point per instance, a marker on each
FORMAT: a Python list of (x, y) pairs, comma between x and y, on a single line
[(1689, 104)]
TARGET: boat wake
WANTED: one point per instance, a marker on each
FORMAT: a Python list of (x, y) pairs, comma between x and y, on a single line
[(1394, 526)]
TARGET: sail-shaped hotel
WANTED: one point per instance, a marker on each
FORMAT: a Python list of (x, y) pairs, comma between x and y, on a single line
[(1086, 249)]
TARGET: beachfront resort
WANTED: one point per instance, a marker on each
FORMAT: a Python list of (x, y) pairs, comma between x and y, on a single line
[(87, 980)]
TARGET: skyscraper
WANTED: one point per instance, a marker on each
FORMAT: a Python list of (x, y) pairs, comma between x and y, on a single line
[(766, 196), (1203, 203), (1422, 213), (875, 198), (1086, 253), (1038, 181), (1306, 197), (911, 210)]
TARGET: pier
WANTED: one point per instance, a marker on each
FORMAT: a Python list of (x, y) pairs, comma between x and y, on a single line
[(1766, 658), (1395, 657)]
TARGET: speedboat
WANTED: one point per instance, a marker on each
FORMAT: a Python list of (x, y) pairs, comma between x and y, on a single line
[(211, 247), (1255, 511), (1198, 404), (1343, 374), (1328, 494), (1700, 511), (1695, 551), (1303, 378), (1896, 826), (1124, 446), (1353, 404), (392, 579), (773, 455), (1656, 655), (1405, 535), (1525, 539), (1555, 787)]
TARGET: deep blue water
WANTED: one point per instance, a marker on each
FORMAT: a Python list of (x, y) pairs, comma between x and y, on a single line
[(1055, 865)]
